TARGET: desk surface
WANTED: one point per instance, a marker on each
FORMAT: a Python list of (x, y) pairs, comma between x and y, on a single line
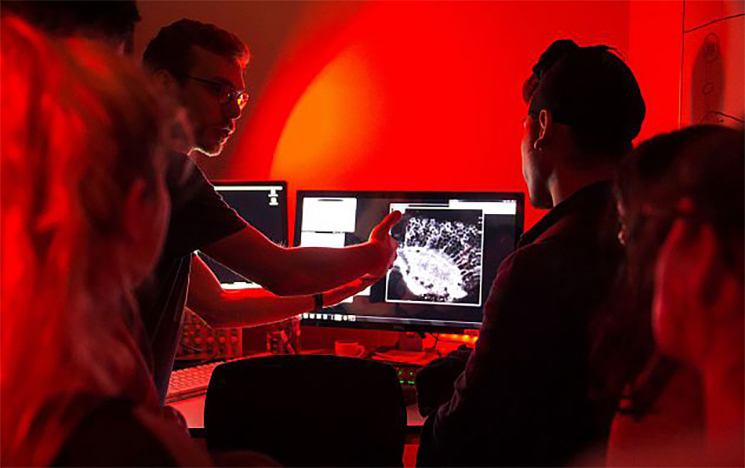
[(193, 411), (193, 408)]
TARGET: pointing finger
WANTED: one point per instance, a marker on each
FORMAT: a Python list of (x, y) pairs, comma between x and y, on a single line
[(385, 226)]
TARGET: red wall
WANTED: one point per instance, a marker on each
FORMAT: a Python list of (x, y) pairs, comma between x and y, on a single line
[(654, 54), (413, 95)]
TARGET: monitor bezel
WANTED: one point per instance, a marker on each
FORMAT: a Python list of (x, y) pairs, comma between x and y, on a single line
[(300, 195), (262, 183)]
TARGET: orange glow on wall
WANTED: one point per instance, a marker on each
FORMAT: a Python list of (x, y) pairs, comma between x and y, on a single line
[(317, 143), (426, 95)]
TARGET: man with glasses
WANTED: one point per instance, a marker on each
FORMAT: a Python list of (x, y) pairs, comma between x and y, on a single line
[(202, 66)]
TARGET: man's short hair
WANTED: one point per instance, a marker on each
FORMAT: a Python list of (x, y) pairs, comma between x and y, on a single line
[(171, 49), (111, 20), (591, 90)]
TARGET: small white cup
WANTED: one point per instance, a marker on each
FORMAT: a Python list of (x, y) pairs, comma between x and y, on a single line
[(348, 348)]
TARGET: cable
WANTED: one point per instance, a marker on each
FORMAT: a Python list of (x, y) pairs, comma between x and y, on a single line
[(738, 15), (209, 358), (436, 338), (211, 354), (682, 65), (721, 114), (193, 348)]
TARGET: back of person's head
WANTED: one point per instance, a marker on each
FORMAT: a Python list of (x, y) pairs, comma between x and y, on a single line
[(112, 21), (591, 90), (80, 140), (171, 48)]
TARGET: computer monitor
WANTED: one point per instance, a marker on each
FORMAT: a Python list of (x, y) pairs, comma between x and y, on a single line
[(450, 247), (264, 206)]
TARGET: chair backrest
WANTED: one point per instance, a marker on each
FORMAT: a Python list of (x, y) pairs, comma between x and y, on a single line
[(309, 410)]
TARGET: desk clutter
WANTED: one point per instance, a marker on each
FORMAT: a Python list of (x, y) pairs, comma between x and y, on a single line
[(199, 341), (194, 381)]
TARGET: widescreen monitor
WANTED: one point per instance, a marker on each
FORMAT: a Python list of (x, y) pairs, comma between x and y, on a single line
[(450, 247), (264, 206)]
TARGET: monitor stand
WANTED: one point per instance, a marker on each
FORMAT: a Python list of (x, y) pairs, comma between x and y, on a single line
[(409, 349)]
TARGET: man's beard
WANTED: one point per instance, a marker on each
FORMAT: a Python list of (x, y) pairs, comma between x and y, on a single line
[(210, 152), (208, 148)]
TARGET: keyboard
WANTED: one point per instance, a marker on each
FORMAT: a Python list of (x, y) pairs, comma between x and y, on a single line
[(193, 381), (190, 382)]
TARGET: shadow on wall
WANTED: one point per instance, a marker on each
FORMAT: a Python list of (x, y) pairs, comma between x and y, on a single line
[(713, 63)]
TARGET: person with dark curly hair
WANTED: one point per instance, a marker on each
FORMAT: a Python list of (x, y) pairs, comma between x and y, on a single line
[(523, 399)]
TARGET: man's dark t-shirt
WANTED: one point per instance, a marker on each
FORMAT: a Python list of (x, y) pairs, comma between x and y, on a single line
[(523, 398), (199, 217)]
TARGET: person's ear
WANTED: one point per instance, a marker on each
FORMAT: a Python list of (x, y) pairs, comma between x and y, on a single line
[(145, 221), (545, 129), (707, 274), (165, 82), (688, 292)]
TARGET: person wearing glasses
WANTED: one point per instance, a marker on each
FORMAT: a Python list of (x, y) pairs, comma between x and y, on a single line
[(202, 66)]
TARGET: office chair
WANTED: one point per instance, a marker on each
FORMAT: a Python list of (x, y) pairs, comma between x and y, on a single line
[(312, 410)]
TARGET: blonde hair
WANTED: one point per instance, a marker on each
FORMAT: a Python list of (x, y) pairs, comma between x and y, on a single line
[(79, 126)]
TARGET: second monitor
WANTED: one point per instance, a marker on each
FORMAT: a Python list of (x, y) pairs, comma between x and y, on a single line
[(450, 247), (264, 206)]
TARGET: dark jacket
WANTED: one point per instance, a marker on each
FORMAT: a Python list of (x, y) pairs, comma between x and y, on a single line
[(523, 398)]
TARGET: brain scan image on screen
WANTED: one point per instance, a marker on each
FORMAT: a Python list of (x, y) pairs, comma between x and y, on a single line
[(439, 257)]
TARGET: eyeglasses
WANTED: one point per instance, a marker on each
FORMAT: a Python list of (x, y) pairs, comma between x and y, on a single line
[(226, 94)]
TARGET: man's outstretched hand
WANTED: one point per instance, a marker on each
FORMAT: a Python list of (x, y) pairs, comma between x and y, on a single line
[(387, 245)]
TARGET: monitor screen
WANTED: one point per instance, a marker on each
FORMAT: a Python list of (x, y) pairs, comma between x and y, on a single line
[(450, 245), (264, 206)]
